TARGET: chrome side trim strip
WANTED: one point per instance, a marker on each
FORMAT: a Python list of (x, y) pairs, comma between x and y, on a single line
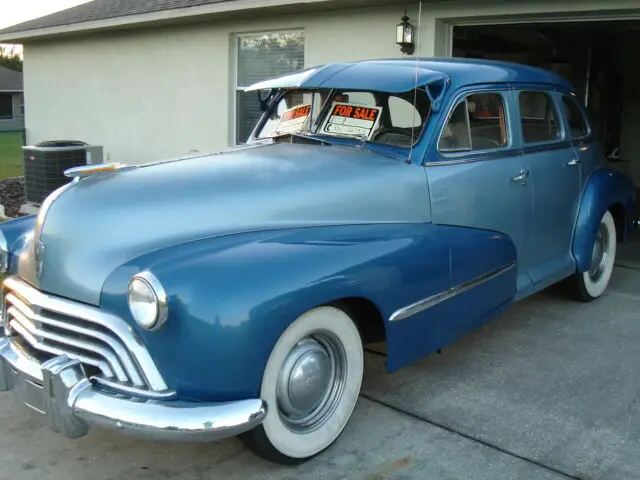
[(433, 300)]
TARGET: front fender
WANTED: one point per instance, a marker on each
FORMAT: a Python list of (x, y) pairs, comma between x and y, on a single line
[(17, 232), (231, 297), (605, 188)]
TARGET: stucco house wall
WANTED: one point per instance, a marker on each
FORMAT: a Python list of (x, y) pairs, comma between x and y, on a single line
[(165, 91)]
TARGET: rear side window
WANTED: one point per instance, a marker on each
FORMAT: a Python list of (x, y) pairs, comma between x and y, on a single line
[(477, 123), (575, 119), (538, 117)]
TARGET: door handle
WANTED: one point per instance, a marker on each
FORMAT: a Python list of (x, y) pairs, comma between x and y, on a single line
[(573, 163), (522, 178)]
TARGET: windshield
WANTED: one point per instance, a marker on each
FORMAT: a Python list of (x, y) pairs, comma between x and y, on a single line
[(378, 117)]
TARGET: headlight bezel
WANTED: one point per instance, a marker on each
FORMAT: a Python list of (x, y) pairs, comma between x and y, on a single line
[(161, 301)]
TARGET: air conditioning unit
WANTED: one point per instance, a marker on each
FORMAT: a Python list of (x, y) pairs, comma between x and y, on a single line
[(45, 163)]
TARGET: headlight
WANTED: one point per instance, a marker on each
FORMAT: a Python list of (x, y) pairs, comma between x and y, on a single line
[(4, 254), (148, 301)]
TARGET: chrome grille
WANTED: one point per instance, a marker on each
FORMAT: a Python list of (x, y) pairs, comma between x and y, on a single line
[(53, 326)]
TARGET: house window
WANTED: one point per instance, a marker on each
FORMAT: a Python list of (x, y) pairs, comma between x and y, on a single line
[(261, 56), (6, 106)]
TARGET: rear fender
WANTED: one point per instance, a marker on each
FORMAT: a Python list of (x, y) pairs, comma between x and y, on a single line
[(604, 189)]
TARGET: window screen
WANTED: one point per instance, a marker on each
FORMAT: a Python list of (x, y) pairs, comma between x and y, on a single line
[(577, 122), (6, 105), (477, 123), (261, 56), (538, 118)]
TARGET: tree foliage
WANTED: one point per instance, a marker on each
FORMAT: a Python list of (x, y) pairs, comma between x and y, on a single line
[(10, 59)]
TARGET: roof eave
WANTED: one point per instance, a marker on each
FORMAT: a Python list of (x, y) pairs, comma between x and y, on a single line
[(146, 18)]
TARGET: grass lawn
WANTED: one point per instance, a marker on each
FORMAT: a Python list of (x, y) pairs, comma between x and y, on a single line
[(10, 154)]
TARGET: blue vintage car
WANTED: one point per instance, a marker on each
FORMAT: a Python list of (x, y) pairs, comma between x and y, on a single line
[(231, 294)]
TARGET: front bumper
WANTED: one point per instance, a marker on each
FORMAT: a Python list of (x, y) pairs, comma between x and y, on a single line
[(60, 390)]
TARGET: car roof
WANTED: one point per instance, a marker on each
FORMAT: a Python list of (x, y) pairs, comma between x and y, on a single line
[(401, 74)]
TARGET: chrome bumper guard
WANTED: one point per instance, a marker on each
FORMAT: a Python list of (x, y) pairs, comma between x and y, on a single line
[(60, 389)]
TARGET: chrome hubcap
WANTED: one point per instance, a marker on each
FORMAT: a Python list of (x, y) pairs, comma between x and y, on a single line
[(311, 382), (599, 254)]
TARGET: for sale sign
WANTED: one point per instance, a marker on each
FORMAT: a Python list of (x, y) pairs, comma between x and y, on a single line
[(348, 119)]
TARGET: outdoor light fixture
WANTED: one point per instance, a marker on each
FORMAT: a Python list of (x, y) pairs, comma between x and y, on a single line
[(404, 35)]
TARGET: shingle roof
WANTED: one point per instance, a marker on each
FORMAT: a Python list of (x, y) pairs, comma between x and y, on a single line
[(105, 9), (10, 80)]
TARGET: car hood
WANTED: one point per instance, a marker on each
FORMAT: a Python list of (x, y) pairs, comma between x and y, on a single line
[(100, 222)]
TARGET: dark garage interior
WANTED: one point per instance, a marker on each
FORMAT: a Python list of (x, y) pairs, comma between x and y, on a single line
[(599, 58)]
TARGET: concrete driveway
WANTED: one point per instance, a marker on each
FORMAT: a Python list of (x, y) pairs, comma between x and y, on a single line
[(550, 390)]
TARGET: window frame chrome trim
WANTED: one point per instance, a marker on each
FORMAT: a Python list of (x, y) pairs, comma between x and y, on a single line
[(584, 138), (450, 157), (433, 300)]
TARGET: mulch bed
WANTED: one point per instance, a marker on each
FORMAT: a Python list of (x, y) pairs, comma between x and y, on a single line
[(12, 196)]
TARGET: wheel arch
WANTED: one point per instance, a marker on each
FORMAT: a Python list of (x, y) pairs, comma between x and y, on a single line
[(367, 317), (605, 190), (620, 219)]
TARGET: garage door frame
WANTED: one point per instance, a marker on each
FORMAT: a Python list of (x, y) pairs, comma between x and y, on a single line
[(451, 23)]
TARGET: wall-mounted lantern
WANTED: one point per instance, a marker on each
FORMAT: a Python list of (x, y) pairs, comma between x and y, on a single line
[(404, 35)]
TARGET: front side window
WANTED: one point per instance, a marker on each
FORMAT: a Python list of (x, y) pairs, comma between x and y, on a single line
[(538, 118), (394, 119), (477, 123), (6, 106), (575, 119), (261, 56)]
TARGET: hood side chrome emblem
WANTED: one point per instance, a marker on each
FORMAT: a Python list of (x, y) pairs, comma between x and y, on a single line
[(38, 257)]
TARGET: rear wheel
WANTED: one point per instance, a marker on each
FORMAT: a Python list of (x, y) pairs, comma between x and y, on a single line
[(311, 385), (593, 283)]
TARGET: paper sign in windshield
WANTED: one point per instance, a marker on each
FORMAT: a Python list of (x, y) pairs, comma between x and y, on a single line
[(352, 120), (294, 119)]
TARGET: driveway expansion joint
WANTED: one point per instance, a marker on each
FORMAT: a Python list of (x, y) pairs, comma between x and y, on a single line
[(469, 437)]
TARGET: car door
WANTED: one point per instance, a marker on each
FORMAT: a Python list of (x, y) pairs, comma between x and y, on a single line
[(554, 183), (477, 180)]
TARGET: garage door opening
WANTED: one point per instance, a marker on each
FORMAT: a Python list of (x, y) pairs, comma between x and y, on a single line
[(598, 57)]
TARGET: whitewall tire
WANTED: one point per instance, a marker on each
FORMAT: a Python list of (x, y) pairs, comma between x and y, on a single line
[(311, 384), (593, 283)]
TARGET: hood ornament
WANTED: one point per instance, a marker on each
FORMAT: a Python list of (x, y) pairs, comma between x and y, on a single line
[(78, 173)]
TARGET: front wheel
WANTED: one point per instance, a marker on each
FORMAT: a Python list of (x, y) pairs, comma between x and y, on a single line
[(593, 283), (311, 385)]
